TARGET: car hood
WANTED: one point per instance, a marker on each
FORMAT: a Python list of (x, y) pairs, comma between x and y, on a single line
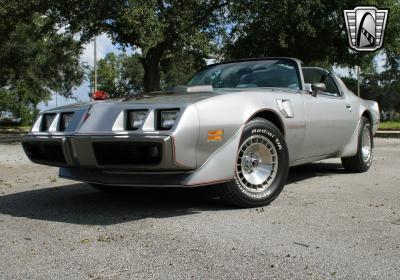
[(166, 98), (170, 98)]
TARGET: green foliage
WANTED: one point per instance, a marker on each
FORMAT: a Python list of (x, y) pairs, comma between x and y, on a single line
[(124, 75), (39, 53), (178, 68), (119, 75), (36, 60), (313, 31), (392, 34), (383, 87), (158, 28)]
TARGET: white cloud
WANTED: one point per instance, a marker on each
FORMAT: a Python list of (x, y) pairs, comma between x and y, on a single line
[(342, 71), (80, 93), (104, 46), (380, 61), (211, 61)]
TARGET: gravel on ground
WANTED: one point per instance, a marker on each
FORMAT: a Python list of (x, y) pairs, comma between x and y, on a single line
[(326, 224)]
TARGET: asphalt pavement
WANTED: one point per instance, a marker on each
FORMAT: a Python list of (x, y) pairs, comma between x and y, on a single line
[(326, 224)]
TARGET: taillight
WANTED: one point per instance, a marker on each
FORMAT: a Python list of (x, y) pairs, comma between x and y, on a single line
[(100, 95)]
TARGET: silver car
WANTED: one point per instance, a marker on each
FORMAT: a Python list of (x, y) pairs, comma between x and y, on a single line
[(239, 125)]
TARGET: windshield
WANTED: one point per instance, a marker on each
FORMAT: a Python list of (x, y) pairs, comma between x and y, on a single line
[(256, 73)]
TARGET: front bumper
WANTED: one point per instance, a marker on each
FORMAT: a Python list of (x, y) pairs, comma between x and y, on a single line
[(104, 152), (126, 178)]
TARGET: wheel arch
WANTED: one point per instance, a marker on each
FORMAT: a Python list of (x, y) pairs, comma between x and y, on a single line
[(351, 148), (271, 116), (368, 115)]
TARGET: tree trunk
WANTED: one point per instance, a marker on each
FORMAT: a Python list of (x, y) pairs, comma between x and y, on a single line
[(151, 65)]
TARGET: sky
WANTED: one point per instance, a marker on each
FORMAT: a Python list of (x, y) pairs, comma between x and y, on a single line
[(105, 45)]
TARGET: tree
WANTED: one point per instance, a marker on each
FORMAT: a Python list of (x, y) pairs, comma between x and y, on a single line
[(36, 59), (313, 31), (178, 68), (123, 74), (119, 75), (382, 87), (108, 75), (156, 27), (392, 37)]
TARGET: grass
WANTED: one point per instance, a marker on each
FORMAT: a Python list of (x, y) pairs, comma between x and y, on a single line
[(389, 125)]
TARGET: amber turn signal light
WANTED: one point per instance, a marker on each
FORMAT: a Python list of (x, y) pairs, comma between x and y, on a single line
[(215, 135)]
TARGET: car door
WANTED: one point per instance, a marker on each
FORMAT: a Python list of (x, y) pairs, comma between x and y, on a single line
[(329, 117)]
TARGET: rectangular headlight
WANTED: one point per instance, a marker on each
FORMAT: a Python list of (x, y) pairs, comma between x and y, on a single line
[(167, 118), (65, 120), (136, 119), (46, 121)]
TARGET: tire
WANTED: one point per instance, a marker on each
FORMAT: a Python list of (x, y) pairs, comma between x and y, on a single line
[(362, 161), (262, 166)]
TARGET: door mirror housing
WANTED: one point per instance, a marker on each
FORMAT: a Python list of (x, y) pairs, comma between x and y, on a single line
[(317, 88)]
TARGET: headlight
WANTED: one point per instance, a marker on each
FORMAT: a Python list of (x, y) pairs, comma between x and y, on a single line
[(136, 119), (168, 119), (65, 120), (47, 120)]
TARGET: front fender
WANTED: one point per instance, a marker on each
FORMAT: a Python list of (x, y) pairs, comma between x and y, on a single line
[(230, 112), (185, 137)]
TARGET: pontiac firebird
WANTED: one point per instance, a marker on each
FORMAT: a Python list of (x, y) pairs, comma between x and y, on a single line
[(239, 125)]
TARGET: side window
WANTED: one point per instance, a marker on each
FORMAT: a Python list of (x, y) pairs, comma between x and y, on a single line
[(331, 88), (312, 76)]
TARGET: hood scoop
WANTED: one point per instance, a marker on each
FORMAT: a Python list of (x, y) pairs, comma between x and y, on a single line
[(190, 89)]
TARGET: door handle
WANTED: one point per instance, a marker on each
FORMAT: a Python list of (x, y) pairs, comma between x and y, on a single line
[(348, 106)]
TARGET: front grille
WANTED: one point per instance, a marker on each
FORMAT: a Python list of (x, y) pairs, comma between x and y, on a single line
[(127, 153), (45, 151)]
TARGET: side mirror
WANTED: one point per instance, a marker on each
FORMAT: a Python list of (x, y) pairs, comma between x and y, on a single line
[(317, 88)]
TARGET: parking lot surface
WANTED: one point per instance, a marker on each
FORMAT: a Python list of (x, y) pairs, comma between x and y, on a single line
[(326, 224)]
